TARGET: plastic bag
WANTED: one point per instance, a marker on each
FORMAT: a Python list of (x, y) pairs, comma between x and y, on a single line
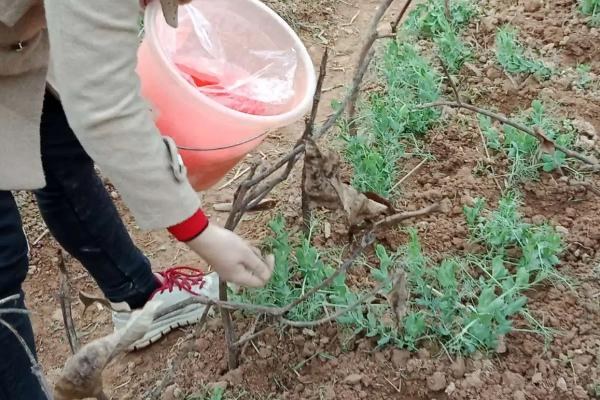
[(230, 60)]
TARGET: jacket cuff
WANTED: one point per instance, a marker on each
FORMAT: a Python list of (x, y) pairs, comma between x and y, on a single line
[(191, 228)]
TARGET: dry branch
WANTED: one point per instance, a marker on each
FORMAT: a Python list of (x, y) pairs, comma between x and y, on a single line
[(64, 295), (400, 16), (505, 120), (308, 133), (397, 218), (367, 47)]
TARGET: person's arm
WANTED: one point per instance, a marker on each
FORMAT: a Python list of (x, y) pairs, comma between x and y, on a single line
[(94, 55), (93, 51)]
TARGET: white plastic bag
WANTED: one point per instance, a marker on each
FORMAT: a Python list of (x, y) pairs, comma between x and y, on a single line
[(230, 60)]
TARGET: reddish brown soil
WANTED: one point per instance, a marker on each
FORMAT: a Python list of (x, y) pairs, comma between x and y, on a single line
[(313, 365)]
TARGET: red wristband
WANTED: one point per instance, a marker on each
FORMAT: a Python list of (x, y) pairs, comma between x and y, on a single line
[(190, 228)]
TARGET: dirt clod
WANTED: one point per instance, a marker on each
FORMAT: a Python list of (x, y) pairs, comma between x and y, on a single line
[(458, 368), (353, 379), (436, 382), (400, 358), (513, 380), (561, 384), (473, 380), (533, 5)]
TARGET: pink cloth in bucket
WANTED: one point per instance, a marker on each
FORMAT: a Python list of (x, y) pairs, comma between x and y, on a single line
[(232, 62)]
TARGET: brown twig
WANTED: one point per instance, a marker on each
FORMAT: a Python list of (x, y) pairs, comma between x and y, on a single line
[(397, 218), (400, 16), (505, 120), (64, 295), (489, 158), (362, 301), (308, 133), (409, 174), (450, 81), (447, 10), (363, 56)]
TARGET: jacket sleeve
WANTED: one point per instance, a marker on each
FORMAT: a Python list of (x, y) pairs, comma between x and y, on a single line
[(94, 54)]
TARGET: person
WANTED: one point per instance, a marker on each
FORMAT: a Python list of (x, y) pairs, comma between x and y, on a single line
[(54, 131)]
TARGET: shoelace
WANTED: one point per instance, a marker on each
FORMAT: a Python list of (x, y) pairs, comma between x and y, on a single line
[(183, 278)]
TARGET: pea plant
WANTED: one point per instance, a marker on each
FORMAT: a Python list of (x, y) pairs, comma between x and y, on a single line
[(591, 8), (524, 151), (466, 303), (393, 120), (511, 55)]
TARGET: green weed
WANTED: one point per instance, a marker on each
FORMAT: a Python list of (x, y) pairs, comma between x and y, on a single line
[(523, 150), (584, 80), (429, 19), (214, 394), (591, 8), (511, 55)]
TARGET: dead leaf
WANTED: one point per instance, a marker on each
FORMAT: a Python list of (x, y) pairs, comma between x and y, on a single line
[(399, 297), (325, 188), (81, 377), (357, 206), (547, 145), (88, 300)]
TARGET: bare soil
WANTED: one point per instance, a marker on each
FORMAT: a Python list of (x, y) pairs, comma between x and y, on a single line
[(314, 365)]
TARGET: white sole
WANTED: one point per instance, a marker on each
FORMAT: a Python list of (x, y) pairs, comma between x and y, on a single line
[(161, 327)]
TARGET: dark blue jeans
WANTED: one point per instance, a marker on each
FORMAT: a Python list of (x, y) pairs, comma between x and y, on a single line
[(81, 216)]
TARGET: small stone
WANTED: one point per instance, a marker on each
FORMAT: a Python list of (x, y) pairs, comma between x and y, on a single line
[(308, 332), (561, 230), (513, 380), (353, 379), (57, 315), (493, 73), (114, 195), (178, 393), (458, 368), (450, 389), (473, 380), (519, 395), (536, 378), (223, 385), (501, 348), (400, 358), (488, 24), (329, 392), (561, 384), (436, 382), (32, 269), (580, 393), (169, 393), (234, 377), (533, 5), (538, 219)]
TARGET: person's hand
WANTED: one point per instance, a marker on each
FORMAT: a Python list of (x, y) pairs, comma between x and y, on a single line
[(232, 258)]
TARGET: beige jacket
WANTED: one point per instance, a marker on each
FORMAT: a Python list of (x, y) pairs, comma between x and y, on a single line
[(93, 46)]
